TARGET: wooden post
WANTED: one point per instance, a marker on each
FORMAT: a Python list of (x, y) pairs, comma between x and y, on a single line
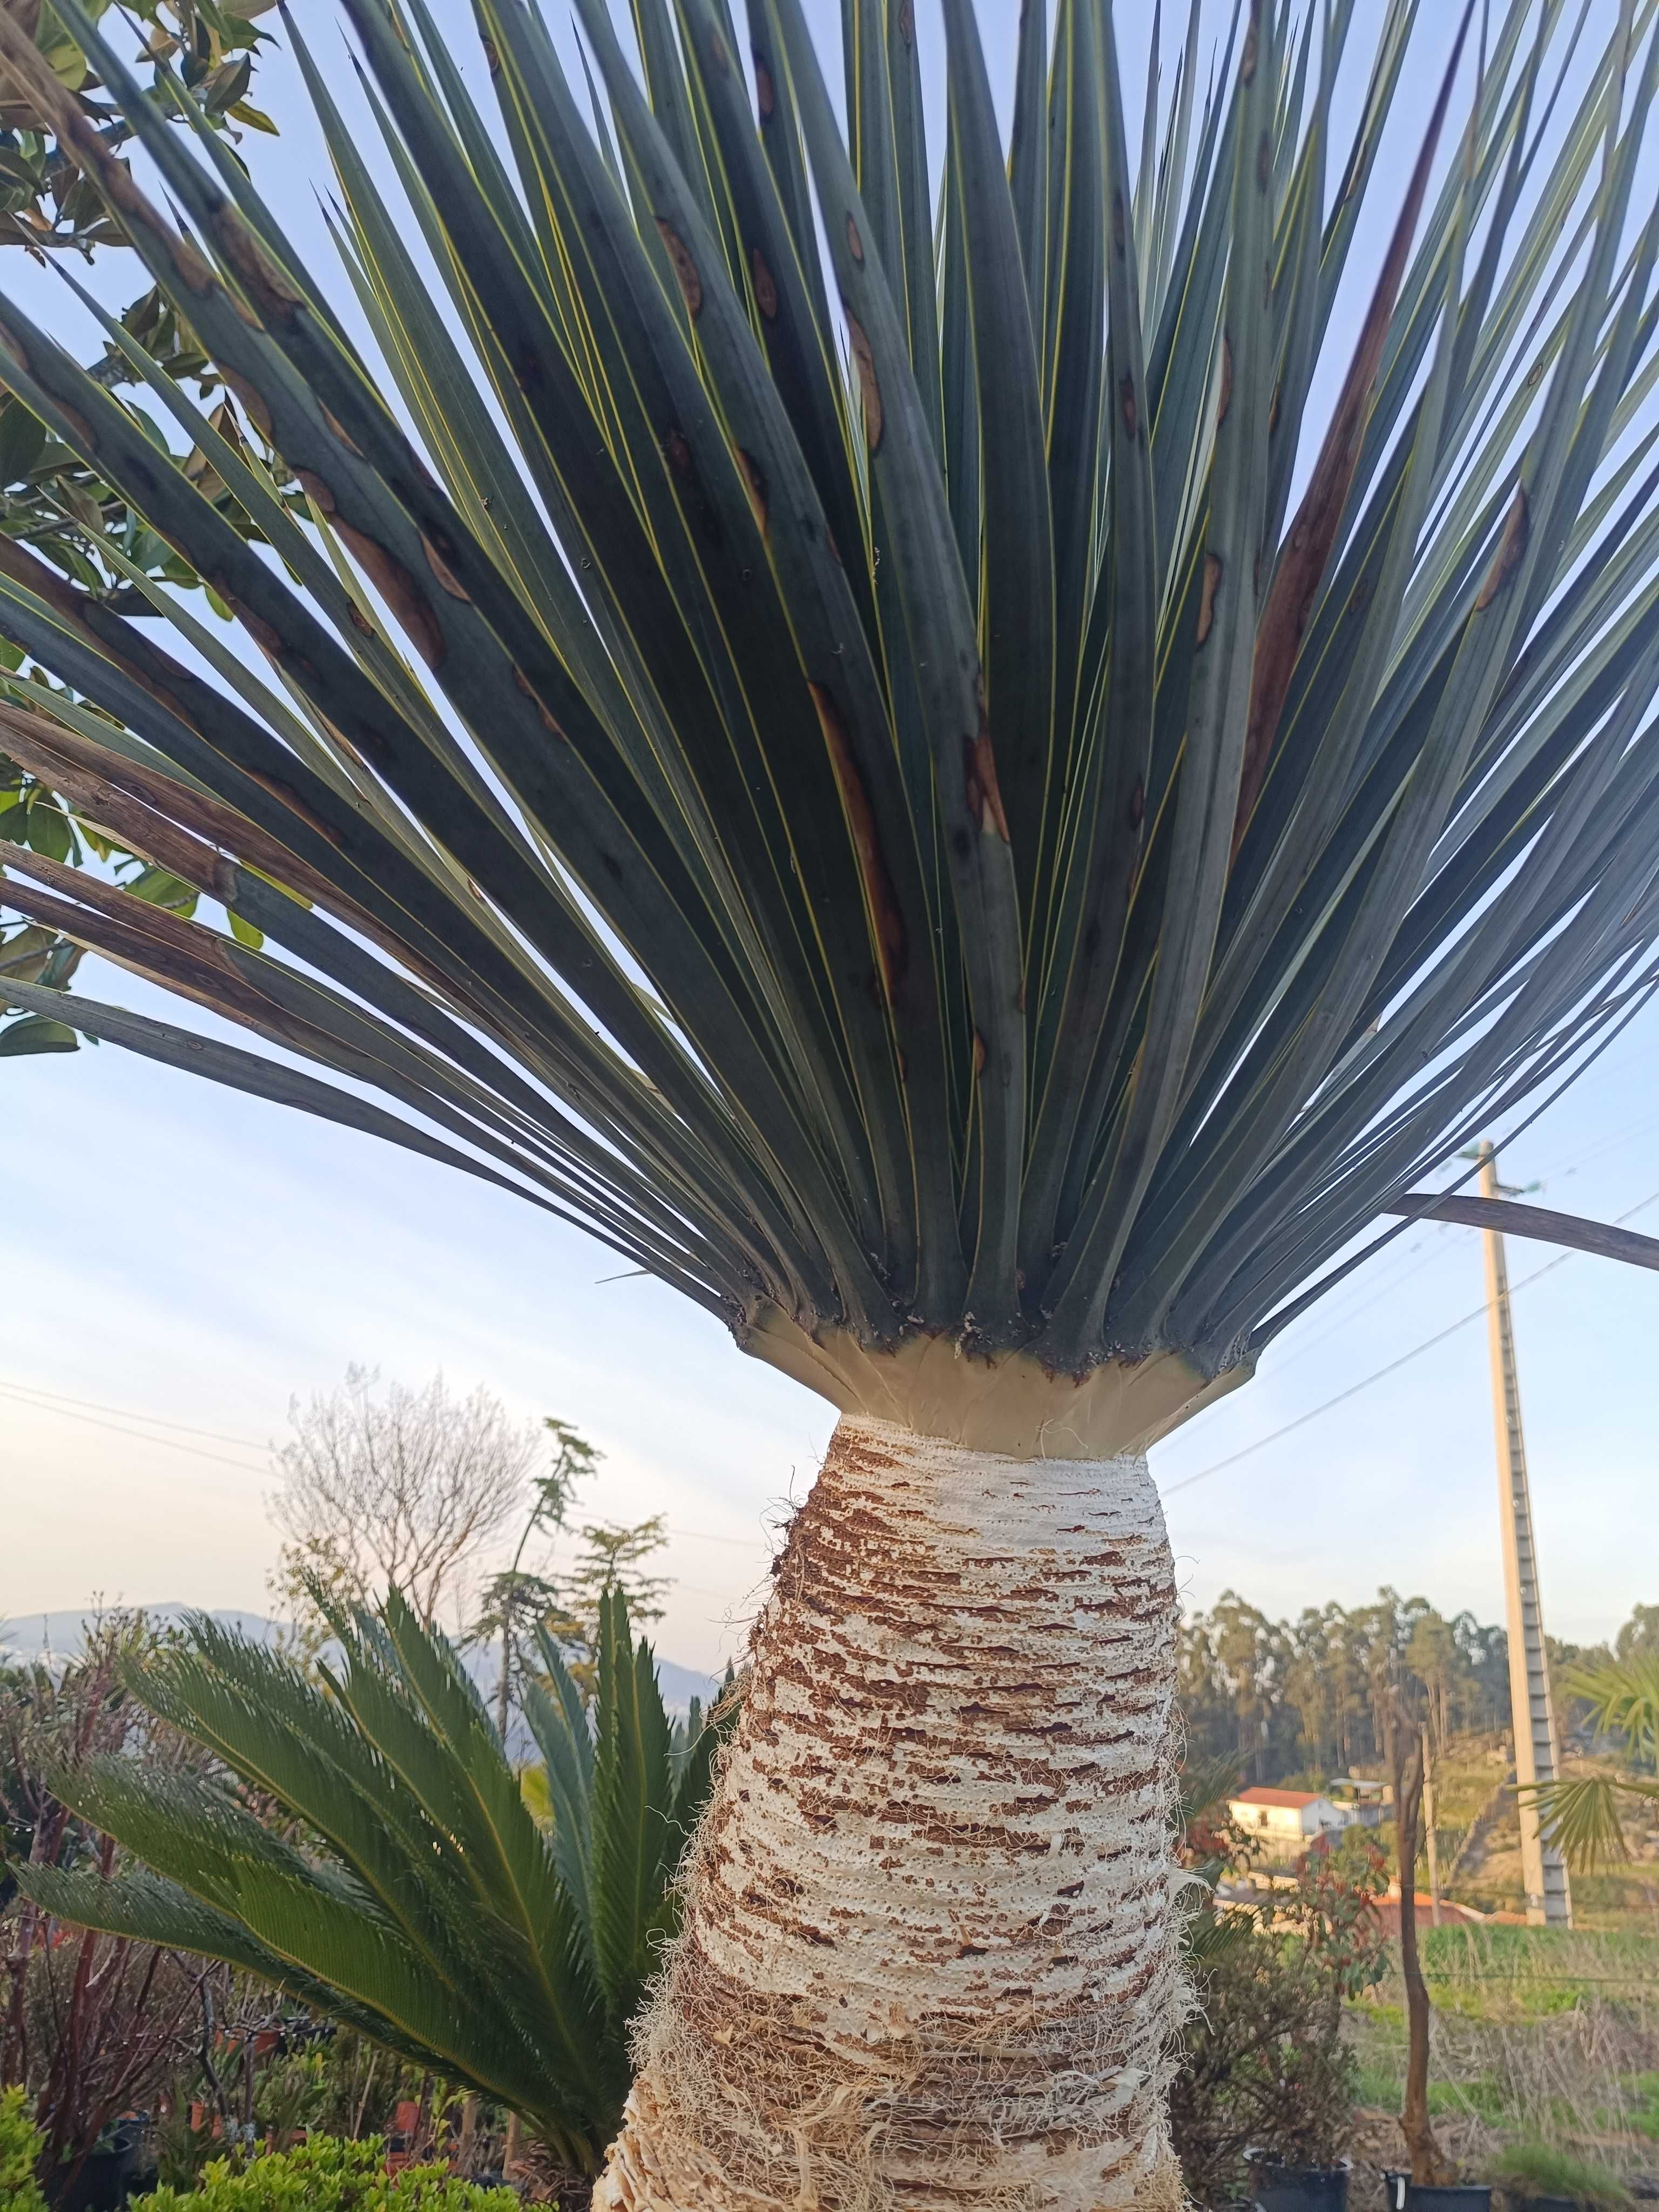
[(1537, 1749), (1429, 2165)]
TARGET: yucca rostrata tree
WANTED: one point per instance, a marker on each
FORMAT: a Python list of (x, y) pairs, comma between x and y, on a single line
[(804, 732)]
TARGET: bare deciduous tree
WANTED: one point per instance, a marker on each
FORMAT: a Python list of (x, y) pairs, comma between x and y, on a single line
[(395, 1485)]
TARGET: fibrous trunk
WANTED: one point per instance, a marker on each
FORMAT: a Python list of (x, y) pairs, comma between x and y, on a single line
[(929, 1956)]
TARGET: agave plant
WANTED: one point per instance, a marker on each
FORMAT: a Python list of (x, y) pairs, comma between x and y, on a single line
[(814, 741), (403, 1886)]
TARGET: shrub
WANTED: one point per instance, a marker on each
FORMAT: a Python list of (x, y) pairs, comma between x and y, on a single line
[(20, 2147), (1264, 2061), (328, 2175)]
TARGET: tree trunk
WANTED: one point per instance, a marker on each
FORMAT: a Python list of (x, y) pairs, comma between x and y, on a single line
[(1429, 2166), (930, 1957)]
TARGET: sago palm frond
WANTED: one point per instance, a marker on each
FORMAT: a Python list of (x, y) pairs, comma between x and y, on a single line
[(806, 724), (409, 1891)]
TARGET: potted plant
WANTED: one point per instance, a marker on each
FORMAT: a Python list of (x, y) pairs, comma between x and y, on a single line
[(1543, 2179)]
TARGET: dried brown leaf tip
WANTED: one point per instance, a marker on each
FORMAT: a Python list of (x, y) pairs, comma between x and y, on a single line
[(1511, 546), (1208, 591), (869, 383), (686, 273)]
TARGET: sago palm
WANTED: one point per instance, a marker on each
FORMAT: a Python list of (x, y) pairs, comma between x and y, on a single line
[(833, 716), (403, 1886)]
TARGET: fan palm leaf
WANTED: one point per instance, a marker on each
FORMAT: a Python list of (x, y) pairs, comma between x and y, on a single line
[(1583, 1816), (408, 1891)]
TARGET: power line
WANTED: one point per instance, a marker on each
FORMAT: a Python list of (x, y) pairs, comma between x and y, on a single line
[(129, 1414), (1404, 1359), (87, 1410), (137, 1436)]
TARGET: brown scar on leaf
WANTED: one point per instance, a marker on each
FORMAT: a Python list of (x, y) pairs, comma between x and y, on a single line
[(1208, 591), (1264, 162), (979, 1053), (253, 406), (194, 270), (549, 723), (442, 569), (766, 291), (337, 429), (400, 591), (1126, 400), (718, 53), (854, 243), (257, 268), (264, 634), (766, 92), (1511, 546), (984, 795), (754, 483), (1224, 398), (315, 489), (906, 22), (685, 268), (869, 383), (892, 944), (1120, 232)]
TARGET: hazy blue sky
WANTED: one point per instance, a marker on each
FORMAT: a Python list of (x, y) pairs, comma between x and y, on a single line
[(173, 1251)]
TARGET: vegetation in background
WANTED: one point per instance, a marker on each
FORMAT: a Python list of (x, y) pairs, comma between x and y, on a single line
[(388, 1486), (90, 2023), (1266, 2061), (428, 1909), (1528, 2171), (327, 2175), (517, 1601), (1310, 1696), (20, 2150), (50, 500)]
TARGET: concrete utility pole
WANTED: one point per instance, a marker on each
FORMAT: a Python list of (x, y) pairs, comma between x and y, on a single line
[(1537, 1748)]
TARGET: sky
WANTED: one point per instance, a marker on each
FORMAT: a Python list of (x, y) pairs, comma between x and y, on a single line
[(177, 1263)]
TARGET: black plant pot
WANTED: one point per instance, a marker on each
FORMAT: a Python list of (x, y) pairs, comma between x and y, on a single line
[(1419, 2197), (108, 2176), (1277, 2186)]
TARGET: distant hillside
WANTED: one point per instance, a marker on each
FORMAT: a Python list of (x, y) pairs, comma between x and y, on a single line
[(60, 1635)]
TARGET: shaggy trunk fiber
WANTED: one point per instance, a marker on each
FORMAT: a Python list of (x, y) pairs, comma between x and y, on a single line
[(929, 1956)]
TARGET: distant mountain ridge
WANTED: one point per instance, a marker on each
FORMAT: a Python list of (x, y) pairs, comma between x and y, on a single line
[(59, 1636)]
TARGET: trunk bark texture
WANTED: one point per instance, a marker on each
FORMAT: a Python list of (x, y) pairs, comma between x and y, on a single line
[(929, 1956)]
